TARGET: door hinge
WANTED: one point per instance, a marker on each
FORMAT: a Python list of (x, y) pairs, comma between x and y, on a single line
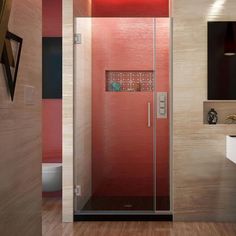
[(77, 38), (77, 190)]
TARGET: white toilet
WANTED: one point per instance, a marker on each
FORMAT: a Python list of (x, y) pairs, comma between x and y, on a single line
[(52, 177)]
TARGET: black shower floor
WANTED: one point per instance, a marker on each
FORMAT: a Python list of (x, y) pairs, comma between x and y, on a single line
[(127, 203)]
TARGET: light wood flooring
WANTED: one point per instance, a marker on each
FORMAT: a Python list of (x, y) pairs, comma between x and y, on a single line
[(52, 226)]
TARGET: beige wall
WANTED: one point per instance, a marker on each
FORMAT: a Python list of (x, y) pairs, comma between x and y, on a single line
[(68, 115), (20, 130), (204, 181)]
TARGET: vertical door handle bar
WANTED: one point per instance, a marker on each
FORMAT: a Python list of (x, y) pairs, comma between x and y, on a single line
[(149, 115)]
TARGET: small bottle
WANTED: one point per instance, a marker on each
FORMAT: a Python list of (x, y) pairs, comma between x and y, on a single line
[(212, 117)]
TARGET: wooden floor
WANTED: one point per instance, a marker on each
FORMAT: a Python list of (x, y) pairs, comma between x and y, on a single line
[(52, 226)]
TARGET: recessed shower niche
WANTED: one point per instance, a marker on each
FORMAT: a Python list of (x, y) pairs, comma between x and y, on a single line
[(122, 161), (129, 81)]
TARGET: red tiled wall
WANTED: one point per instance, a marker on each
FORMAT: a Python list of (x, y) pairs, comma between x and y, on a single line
[(122, 157)]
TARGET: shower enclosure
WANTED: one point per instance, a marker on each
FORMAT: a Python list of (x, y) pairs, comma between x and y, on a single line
[(122, 116)]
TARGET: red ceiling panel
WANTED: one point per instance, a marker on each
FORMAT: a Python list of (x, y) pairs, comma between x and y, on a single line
[(130, 8)]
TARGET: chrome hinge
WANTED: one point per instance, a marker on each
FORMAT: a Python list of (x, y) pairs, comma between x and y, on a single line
[(78, 38), (77, 190)]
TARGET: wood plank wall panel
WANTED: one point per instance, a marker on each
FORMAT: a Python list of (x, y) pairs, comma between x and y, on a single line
[(20, 129), (67, 113), (83, 110), (204, 181)]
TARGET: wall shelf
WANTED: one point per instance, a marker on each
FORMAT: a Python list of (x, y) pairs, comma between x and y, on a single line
[(223, 109)]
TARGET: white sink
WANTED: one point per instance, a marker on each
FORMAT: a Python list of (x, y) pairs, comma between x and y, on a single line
[(231, 148)]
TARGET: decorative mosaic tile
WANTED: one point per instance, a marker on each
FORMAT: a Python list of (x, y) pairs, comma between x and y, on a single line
[(129, 81)]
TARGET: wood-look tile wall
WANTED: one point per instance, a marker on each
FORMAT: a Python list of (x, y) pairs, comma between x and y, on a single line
[(20, 129), (67, 112), (204, 180)]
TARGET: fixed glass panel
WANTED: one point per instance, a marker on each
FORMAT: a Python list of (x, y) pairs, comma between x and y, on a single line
[(162, 148)]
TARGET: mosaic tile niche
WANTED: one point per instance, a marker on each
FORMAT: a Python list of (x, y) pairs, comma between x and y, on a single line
[(129, 81)]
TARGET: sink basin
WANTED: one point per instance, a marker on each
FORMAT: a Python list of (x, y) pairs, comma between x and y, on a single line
[(231, 148)]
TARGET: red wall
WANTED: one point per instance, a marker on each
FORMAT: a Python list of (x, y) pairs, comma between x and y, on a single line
[(130, 8), (52, 18), (52, 130), (122, 158), (52, 108)]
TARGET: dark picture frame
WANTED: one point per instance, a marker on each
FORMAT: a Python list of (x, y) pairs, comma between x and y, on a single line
[(5, 9), (10, 63)]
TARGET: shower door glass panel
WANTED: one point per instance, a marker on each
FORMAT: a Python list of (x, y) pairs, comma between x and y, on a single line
[(119, 174), (122, 132)]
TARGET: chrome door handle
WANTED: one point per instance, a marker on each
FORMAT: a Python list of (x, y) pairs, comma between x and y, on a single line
[(149, 115)]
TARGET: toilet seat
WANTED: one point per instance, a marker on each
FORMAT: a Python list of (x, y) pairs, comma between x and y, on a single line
[(51, 177), (51, 167)]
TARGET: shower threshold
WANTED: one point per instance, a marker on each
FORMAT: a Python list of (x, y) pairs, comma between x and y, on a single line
[(116, 216), (124, 203), (124, 208)]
